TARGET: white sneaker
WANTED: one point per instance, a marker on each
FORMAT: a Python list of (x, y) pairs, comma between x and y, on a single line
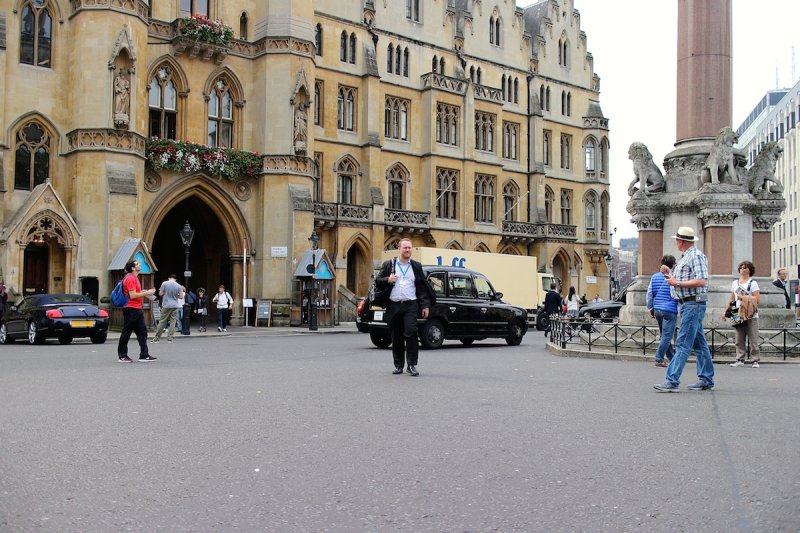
[(219, 329), (755, 364), (225, 330), (737, 363)]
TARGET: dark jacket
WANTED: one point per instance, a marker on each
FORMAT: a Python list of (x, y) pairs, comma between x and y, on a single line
[(425, 296), (552, 303), (778, 283)]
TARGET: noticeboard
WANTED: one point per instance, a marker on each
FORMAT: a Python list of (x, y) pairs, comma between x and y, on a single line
[(264, 312)]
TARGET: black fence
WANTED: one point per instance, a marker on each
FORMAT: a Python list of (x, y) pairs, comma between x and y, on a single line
[(586, 334)]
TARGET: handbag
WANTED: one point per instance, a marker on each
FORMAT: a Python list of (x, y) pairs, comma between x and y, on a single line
[(380, 296)]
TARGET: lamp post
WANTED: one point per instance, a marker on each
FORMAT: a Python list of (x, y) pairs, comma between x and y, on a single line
[(311, 269), (610, 261), (187, 234)]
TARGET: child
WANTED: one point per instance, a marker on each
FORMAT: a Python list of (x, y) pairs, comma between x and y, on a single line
[(200, 307)]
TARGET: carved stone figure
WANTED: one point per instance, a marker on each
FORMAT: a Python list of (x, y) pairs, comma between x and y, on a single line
[(645, 170), (121, 99), (720, 165), (763, 170), (300, 128)]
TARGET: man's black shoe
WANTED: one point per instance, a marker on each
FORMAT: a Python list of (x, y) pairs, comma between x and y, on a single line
[(413, 370), (398, 370)]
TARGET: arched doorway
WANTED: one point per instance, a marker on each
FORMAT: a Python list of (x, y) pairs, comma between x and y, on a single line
[(209, 254), (359, 268), (36, 270), (561, 271)]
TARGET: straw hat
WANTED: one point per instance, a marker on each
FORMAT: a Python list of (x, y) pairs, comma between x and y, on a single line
[(685, 233)]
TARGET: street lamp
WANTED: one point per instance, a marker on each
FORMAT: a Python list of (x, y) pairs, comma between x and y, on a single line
[(609, 262), (311, 269), (187, 234)]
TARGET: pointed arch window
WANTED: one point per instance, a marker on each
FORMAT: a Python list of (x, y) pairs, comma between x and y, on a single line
[(484, 198), (31, 156), (602, 155), (343, 47), (591, 212), (317, 192), (397, 60), (36, 34), (353, 48), (541, 96), (516, 90), (510, 201), (491, 30), (510, 134), (603, 214), (589, 156), (547, 99), (447, 123), (566, 206), (397, 176), (243, 26), (549, 202), (163, 102), (346, 105), (472, 74), (478, 75), (563, 102), (566, 151), (546, 138), (434, 65), (318, 39), (390, 58), (220, 115), (405, 62), (395, 118), (503, 86), (569, 104), (346, 176), (484, 131), (446, 193), (319, 91), (442, 72)]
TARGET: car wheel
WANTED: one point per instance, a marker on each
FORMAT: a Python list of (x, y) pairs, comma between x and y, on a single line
[(64, 339), (5, 338), (432, 335), (99, 338), (34, 335), (381, 340), (515, 333), (467, 342), (542, 322)]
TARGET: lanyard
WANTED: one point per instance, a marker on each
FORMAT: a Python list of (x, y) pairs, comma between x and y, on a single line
[(403, 271)]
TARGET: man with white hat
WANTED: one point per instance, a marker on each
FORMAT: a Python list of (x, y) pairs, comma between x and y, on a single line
[(689, 285)]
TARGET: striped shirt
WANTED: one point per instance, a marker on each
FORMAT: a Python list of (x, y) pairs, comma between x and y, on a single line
[(693, 265)]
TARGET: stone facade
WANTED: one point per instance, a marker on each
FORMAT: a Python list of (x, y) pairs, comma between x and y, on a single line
[(483, 131)]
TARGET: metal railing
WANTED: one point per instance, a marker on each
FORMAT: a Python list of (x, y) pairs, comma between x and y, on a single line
[(633, 338)]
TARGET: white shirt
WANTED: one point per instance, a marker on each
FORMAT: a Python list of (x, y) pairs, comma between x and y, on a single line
[(741, 290), (404, 288)]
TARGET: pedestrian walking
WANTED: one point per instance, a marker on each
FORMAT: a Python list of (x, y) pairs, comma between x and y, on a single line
[(743, 308), (201, 307), (571, 301), (689, 285), (224, 302), (132, 314), (780, 282), (171, 293), (410, 297), (664, 308), (552, 306)]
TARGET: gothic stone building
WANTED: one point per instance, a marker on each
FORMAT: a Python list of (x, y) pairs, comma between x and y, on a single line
[(466, 124)]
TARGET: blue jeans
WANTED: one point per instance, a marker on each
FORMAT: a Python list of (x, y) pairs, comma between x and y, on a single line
[(691, 337), (666, 325)]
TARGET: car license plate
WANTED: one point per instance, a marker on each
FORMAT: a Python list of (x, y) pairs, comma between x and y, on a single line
[(378, 315), (82, 323)]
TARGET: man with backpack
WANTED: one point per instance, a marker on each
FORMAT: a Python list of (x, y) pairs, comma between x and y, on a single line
[(133, 315)]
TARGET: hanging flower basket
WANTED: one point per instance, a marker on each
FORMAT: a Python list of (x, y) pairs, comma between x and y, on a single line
[(185, 157)]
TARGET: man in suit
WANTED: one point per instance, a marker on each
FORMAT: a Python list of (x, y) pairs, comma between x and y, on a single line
[(552, 305), (410, 297), (780, 282)]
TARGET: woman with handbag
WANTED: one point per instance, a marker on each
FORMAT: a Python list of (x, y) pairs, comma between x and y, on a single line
[(743, 309)]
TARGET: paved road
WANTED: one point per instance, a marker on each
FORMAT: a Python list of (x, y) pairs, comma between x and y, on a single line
[(314, 433)]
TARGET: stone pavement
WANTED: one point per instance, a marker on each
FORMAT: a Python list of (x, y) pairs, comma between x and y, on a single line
[(344, 327)]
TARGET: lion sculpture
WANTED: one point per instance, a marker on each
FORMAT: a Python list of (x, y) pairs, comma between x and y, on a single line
[(763, 170), (645, 170), (720, 165)]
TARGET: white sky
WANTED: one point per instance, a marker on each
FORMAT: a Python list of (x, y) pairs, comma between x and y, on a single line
[(634, 45)]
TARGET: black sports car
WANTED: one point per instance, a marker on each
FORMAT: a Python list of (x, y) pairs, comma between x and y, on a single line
[(606, 310), (467, 308), (62, 316)]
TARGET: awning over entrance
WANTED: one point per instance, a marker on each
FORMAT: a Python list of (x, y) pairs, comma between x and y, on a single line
[(321, 265)]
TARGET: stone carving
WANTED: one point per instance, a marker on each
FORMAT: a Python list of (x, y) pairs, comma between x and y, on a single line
[(242, 190), (300, 128), (717, 218), (122, 88), (152, 181), (645, 171), (720, 165), (763, 170)]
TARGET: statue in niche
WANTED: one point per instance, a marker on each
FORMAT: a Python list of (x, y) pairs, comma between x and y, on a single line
[(720, 166), (300, 127), (763, 170), (122, 89), (645, 171)]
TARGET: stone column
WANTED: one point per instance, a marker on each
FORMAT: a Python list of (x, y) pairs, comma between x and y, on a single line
[(704, 68)]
